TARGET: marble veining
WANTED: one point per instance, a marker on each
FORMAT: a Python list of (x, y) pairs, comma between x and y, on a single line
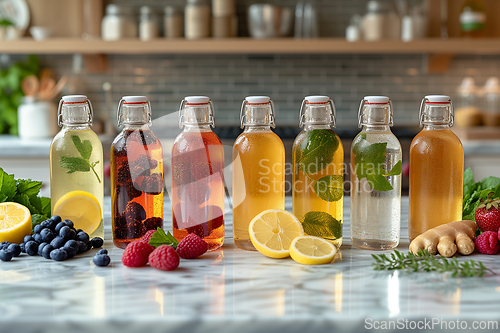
[(232, 290)]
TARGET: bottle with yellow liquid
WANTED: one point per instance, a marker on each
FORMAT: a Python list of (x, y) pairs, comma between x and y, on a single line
[(258, 168), (76, 167), (318, 171), (375, 178), (436, 168)]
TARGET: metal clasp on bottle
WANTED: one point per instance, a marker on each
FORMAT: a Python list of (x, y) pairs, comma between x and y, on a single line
[(360, 113), (59, 111), (119, 113), (272, 116), (422, 109), (333, 117), (211, 112)]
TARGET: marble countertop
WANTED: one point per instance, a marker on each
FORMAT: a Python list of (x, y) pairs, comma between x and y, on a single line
[(231, 290)]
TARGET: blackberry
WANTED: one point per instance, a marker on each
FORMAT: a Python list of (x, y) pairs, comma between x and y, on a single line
[(27, 239), (37, 229), (120, 227), (120, 152), (58, 255), (58, 242), (15, 249), (153, 223), (47, 235), (102, 251), (40, 248), (153, 184), (46, 251), (83, 236), (97, 242), (56, 218), (135, 230), (134, 212), (6, 255), (123, 173), (31, 248), (132, 190), (101, 260), (142, 166)]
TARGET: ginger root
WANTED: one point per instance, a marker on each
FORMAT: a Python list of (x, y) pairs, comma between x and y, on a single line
[(447, 238)]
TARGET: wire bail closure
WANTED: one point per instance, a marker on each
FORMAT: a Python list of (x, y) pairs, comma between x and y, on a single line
[(59, 111), (243, 117), (360, 113), (119, 113), (211, 119), (333, 117), (422, 109)]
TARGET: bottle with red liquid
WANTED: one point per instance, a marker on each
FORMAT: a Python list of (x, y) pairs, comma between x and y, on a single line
[(198, 174), (136, 173)]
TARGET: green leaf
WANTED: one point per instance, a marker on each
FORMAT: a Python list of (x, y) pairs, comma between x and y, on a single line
[(160, 238), (7, 186), (28, 186), (74, 164), (316, 150), (396, 169), (379, 183), (322, 224), (45, 206), (469, 182), (330, 188), (83, 147), (24, 200), (489, 183), (36, 219)]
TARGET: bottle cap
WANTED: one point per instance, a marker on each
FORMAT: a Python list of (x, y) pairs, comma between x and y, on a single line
[(74, 98), (317, 110), (376, 99), (436, 109), (437, 99), (131, 110), (317, 99), (197, 100), (257, 99), (257, 111), (134, 99)]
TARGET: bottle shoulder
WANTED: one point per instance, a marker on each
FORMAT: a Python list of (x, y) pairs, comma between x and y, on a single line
[(378, 137)]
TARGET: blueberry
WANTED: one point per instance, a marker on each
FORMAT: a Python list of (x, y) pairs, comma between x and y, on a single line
[(37, 228), (102, 251), (97, 242), (40, 248), (89, 246), (6, 255), (27, 239), (15, 249), (82, 236), (56, 218), (69, 223), (59, 226), (71, 251), (52, 225), (58, 242), (4, 245), (31, 248), (73, 243), (23, 247), (82, 247), (38, 238), (58, 255), (78, 231), (47, 235), (101, 260), (45, 224), (46, 251)]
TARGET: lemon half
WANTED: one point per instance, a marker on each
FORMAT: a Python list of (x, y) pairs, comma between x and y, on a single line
[(311, 250), (272, 232), (15, 222), (80, 207)]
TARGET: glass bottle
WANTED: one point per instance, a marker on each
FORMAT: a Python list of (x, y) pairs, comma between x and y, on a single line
[(318, 170), (473, 19), (198, 174), (258, 167), (491, 102), (76, 166), (375, 178), (136, 173), (436, 168)]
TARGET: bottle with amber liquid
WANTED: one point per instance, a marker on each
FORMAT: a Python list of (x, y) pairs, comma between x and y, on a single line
[(436, 168), (136, 173), (198, 175)]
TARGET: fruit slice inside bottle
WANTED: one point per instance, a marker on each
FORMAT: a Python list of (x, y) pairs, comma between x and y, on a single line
[(80, 207)]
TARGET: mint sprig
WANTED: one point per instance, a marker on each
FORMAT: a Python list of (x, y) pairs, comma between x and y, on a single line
[(370, 164), (80, 164), (159, 238), (321, 224)]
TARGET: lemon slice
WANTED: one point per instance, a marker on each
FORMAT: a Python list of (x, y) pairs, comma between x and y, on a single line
[(311, 250), (15, 222), (272, 232), (80, 207)]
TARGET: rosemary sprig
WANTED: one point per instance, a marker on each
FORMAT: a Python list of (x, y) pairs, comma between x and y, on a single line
[(424, 261)]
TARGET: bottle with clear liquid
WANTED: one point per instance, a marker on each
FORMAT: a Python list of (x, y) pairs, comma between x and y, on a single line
[(198, 174), (436, 168), (76, 167), (258, 168), (318, 170), (136, 173), (375, 178)]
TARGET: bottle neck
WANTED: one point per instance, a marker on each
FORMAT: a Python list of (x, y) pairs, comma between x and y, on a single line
[(310, 127), (134, 114), (437, 115), (259, 115), (376, 115), (376, 128), (257, 128), (196, 117), (197, 128), (317, 116), (436, 126), (75, 115)]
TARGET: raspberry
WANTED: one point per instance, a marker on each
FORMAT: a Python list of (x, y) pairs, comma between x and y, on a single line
[(136, 254), (147, 236), (153, 184), (164, 258), (487, 242), (191, 247)]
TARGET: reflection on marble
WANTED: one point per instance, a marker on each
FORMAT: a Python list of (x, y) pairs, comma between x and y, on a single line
[(231, 290)]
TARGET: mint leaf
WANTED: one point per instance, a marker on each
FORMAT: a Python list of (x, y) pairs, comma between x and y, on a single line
[(28, 186), (322, 224), (7, 186), (160, 238), (74, 164), (396, 169), (83, 147), (379, 183), (316, 150), (36, 219), (469, 182), (24, 200), (330, 188), (45, 206)]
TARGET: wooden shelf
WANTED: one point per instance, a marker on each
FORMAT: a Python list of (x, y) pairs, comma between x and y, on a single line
[(251, 46)]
